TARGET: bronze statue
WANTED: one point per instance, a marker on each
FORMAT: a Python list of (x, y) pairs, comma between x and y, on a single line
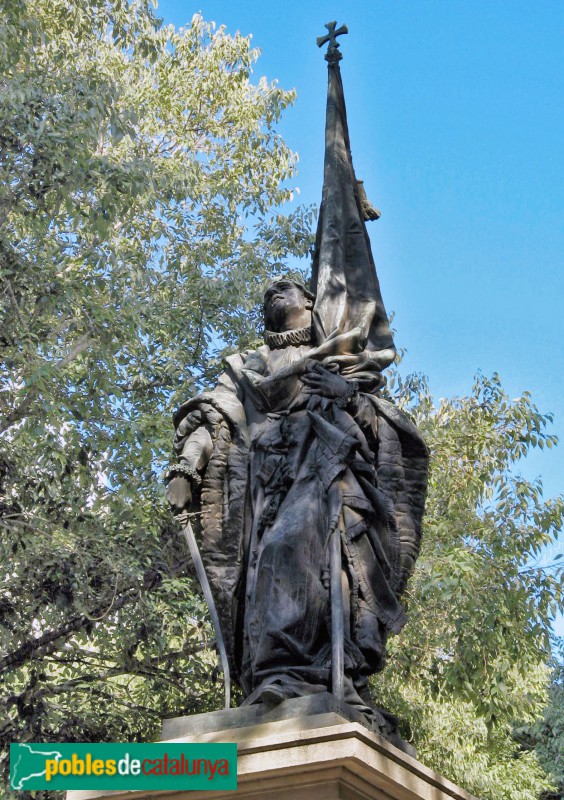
[(311, 486)]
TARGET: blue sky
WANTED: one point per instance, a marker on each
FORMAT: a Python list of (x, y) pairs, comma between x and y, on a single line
[(457, 129)]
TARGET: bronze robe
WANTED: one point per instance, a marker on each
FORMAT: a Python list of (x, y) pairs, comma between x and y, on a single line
[(287, 468)]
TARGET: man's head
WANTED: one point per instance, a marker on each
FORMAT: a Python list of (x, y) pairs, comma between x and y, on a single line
[(287, 306)]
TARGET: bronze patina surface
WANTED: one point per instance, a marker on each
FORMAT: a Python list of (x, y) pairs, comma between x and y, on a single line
[(311, 485)]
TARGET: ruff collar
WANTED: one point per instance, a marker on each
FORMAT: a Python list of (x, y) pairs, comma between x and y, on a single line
[(283, 339)]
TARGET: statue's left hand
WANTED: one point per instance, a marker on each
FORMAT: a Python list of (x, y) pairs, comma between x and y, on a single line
[(324, 382)]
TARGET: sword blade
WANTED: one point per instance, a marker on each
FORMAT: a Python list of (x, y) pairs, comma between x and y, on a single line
[(206, 588)]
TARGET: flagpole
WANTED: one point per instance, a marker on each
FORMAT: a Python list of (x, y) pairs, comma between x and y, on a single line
[(337, 619)]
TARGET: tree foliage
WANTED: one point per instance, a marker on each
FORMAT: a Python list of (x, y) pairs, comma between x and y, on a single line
[(472, 661), (141, 178), (546, 735)]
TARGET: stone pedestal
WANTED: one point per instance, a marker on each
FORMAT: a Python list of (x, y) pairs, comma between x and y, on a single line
[(318, 756)]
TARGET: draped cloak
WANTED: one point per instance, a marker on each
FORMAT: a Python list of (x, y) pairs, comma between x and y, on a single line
[(286, 469)]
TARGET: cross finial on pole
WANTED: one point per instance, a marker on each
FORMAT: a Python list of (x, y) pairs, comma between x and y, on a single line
[(332, 55)]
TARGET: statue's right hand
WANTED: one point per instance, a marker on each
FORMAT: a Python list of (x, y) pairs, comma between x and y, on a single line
[(179, 494)]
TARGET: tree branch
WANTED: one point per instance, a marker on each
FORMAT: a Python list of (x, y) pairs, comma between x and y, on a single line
[(15, 303), (43, 645), (21, 411)]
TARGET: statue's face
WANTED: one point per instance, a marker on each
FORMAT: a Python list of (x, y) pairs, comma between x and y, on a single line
[(286, 307)]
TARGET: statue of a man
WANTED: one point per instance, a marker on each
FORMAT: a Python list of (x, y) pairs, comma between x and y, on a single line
[(311, 486), (287, 449)]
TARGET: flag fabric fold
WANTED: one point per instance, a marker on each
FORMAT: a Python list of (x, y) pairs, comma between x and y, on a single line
[(344, 276)]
